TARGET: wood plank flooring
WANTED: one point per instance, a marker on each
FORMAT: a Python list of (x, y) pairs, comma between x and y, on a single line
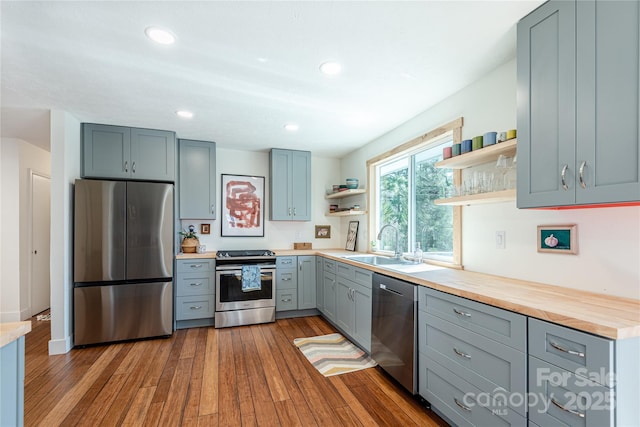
[(243, 376)]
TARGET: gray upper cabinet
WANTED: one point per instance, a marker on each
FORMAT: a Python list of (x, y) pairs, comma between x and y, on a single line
[(290, 172), (106, 151), (127, 153), (579, 104), (197, 179)]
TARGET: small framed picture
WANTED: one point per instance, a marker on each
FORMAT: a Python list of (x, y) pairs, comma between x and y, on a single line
[(560, 239), (352, 235), (323, 231), (205, 229)]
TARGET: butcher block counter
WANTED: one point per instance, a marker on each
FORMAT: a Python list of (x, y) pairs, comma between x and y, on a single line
[(608, 316)]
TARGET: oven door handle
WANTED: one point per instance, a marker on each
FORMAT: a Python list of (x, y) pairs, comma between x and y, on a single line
[(239, 267)]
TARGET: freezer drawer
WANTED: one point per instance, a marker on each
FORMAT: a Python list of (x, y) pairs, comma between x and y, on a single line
[(122, 312)]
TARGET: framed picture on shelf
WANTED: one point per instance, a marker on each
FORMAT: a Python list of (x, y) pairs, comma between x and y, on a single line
[(205, 229), (242, 206), (352, 236)]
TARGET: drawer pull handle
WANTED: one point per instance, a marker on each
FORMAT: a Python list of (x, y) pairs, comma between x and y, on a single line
[(461, 313), (286, 300), (466, 408), (195, 284), (580, 414), (195, 307), (286, 279), (564, 350), (461, 354), (196, 265)]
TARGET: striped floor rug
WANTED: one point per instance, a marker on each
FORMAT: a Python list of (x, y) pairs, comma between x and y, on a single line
[(333, 354)]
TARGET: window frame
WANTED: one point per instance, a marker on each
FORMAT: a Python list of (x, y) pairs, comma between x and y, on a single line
[(453, 130)]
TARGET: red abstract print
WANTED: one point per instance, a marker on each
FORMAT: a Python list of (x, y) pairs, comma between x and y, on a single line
[(243, 204)]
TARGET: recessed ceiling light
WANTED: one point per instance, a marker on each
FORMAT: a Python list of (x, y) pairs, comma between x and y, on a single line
[(184, 114), (330, 68), (160, 35), (291, 127)]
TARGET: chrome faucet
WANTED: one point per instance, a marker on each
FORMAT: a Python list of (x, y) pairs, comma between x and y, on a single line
[(397, 253)]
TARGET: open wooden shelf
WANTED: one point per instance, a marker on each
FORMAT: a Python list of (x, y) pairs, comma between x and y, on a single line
[(350, 212), (483, 155), (346, 193), (477, 199)]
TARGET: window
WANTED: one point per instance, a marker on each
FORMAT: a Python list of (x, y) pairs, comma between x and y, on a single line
[(406, 185)]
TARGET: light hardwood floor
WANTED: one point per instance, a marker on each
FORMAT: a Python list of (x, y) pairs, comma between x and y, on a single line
[(243, 376)]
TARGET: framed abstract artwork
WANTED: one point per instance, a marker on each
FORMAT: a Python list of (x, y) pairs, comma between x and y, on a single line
[(242, 206)]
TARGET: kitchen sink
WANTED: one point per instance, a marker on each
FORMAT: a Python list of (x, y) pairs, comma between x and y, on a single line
[(378, 260)]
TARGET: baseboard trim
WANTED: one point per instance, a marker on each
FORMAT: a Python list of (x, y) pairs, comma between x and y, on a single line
[(60, 346)]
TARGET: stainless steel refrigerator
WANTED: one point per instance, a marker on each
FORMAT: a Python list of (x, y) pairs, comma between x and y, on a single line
[(123, 260)]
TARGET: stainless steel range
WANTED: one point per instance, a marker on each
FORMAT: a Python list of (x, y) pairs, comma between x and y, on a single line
[(248, 301)]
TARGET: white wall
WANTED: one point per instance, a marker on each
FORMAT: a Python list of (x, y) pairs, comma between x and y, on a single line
[(65, 168), (9, 232), (19, 157), (608, 238), (277, 234)]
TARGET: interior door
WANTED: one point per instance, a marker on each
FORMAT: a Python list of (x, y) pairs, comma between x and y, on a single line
[(40, 238)]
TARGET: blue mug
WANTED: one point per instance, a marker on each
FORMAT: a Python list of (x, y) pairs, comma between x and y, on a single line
[(466, 146), (489, 138)]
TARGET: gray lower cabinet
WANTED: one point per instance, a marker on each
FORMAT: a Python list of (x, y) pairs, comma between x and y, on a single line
[(12, 383), (295, 282), (472, 359), (319, 283), (290, 172), (195, 292), (578, 109), (577, 378), (127, 153), (353, 303), (329, 288), (197, 179), (286, 283), (306, 282)]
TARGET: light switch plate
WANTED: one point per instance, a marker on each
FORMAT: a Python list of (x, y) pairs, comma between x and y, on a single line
[(501, 239)]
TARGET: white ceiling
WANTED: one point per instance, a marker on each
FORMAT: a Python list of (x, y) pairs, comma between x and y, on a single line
[(246, 68)]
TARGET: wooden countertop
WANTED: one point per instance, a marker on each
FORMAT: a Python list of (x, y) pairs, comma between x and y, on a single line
[(608, 316), (9, 332)]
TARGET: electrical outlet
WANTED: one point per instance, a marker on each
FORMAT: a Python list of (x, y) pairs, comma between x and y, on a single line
[(501, 237)]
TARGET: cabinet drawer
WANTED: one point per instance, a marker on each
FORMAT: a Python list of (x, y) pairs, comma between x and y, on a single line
[(286, 299), (363, 276), (195, 284), (286, 262), (196, 265), (286, 279), (194, 307), (345, 270), (329, 265), (499, 325), (460, 401), (575, 351), (560, 398), (484, 363)]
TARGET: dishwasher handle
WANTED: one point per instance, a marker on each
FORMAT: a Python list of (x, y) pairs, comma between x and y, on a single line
[(393, 291)]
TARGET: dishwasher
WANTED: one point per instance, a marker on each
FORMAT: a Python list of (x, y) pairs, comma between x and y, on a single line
[(393, 329)]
